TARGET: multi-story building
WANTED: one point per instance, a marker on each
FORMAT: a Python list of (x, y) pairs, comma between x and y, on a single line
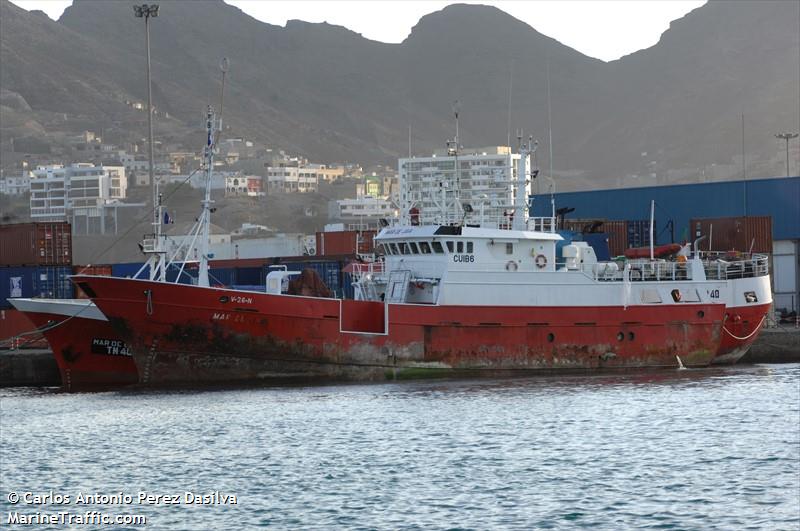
[(16, 185), (250, 185), (288, 179), (78, 190), (298, 175), (326, 173), (365, 209), (472, 186)]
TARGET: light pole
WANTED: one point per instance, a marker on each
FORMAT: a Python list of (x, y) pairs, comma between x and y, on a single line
[(786, 137), (146, 11)]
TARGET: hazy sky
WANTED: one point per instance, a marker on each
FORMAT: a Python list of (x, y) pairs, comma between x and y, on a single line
[(606, 29)]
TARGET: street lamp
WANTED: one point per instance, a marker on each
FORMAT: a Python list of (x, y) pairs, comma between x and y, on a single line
[(786, 137), (146, 11)]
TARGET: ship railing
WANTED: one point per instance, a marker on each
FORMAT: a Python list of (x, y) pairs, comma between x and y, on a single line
[(658, 270), (542, 224), (724, 266), (362, 270), (639, 271)]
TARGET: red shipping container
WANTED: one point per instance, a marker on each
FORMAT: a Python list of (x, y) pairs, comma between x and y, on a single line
[(617, 236), (346, 242), (734, 233), (104, 270), (47, 243)]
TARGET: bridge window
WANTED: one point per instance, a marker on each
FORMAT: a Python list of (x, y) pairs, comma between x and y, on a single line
[(469, 247), (414, 248), (450, 247), (509, 248), (395, 250), (437, 248), (425, 248), (460, 247)]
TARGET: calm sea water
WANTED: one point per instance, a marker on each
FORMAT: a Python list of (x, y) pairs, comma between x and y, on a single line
[(694, 449)]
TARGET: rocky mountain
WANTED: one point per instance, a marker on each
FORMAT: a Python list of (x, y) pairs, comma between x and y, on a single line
[(328, 93)]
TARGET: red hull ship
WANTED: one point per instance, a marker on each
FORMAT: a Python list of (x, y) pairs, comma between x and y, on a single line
[(447, 299), (89, 354), (184, 334)]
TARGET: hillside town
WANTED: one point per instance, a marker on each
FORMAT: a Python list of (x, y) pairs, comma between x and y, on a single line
[(102, 187)]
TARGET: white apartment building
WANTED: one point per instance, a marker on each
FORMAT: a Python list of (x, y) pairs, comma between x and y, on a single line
[(365, 207), (289, 179), (16, 185), (473, 186), (78, 190)]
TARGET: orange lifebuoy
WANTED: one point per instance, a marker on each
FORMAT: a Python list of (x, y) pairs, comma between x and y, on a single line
[(540, 261)]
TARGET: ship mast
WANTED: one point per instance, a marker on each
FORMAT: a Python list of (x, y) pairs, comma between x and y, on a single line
[(521, 196), (453, 148), (213, 130), (205, 216)]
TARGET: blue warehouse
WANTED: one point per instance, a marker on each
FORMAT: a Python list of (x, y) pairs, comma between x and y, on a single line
[(777, 197)]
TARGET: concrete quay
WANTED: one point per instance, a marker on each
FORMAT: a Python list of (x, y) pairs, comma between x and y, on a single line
[(28, 367)]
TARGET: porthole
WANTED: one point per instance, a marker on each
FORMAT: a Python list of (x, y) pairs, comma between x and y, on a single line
[(631, 336), (551, 337), (224, 299), (620, 336), (701, 314)]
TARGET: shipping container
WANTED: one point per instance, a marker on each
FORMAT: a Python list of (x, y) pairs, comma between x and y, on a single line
[(348, 291), (638, 233), (16, 282), (734, 233), (221, 276), (52, 282), (187, 275), (617, 236), (128, 270), (616, 231), (249, 276), (39, 243), (99, 270), (329, 271), (582, 225), (48, 282), (347, 242)]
